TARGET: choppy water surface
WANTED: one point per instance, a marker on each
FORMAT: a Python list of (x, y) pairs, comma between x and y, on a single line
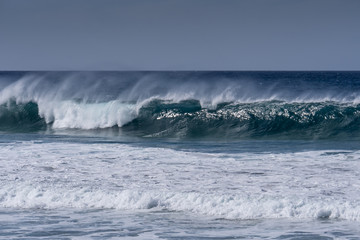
[(65, 187), (111, 224)]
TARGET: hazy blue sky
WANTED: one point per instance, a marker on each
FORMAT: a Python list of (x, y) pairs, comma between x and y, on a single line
[(180, 35)]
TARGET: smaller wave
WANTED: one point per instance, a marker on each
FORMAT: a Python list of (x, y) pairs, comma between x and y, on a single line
[(21, 117), (223, 206)]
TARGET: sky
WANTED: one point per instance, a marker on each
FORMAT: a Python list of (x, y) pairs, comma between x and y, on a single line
[(179, 35)]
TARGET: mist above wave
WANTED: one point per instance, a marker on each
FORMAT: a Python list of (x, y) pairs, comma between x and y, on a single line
[(210, 88)]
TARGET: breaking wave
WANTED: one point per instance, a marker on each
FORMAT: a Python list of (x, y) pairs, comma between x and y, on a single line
[(159, 118), (185, 105)]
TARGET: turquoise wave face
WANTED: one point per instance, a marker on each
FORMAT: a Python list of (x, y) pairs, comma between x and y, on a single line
[(269, 119), (23, 117), (188, 119)]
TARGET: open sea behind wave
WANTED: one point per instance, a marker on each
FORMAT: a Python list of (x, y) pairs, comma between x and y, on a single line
[(179, 155)]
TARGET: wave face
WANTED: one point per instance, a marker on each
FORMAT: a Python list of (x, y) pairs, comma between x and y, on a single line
[(23, 116), (243, 120), (230, 105)]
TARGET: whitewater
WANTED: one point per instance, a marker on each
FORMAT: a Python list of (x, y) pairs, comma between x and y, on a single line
[(179, 155)]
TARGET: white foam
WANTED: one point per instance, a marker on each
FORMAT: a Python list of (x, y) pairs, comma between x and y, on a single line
[(312, 184), (241, 206), (69, 114)]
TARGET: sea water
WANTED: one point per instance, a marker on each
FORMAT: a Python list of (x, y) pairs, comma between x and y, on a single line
[(179, 155)]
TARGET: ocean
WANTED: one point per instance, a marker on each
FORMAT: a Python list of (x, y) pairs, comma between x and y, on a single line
[(180, 155)]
